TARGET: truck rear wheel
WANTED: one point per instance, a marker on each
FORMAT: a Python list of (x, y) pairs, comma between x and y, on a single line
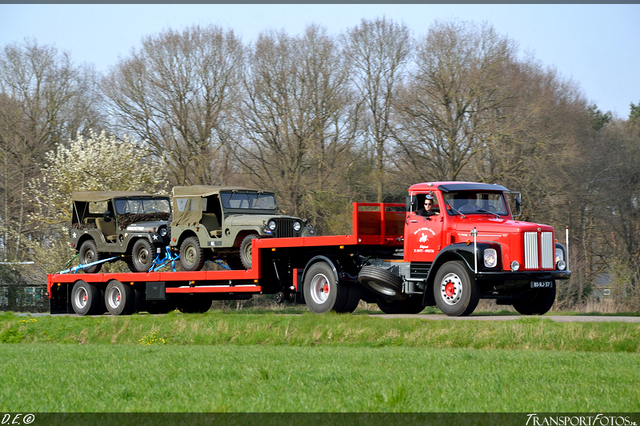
[(322, 293), (191, 255), (455, 290), (119, 298), (536, 302), (86, 299)]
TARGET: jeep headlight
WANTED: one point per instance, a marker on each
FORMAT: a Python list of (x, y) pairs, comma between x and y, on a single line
[(162, 231), (490, 258), (296, 226), (272, 225)]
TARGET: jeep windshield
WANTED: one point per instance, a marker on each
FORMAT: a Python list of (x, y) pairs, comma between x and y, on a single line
[(248, 200), (471, 202), (142, 205)]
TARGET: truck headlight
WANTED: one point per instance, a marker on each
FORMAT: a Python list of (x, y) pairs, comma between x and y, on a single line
[(490, 258), (515, 265), (272, 225), (560, 263), (296, 226)]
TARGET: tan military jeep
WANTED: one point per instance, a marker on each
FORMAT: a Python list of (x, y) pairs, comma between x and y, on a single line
[(212, 222)]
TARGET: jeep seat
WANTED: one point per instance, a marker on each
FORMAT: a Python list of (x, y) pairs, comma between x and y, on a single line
[(210, 221), (108, 229)]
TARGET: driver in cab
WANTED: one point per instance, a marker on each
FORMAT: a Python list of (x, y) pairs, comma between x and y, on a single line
[(427, 209)]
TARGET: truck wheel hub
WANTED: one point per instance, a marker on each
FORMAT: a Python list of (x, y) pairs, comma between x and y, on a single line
[(451, 289)]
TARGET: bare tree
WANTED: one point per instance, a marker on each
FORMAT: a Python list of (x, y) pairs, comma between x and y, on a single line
[(44, 100), (297, 121), (176, 93), (449, 106), (378, 52)]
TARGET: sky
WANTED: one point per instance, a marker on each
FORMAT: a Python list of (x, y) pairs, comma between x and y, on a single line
[(595, 45)]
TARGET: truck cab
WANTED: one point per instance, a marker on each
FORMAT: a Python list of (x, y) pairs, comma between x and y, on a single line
[(469, 246)]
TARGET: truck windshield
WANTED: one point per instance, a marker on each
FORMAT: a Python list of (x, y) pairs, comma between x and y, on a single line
[(471, 202), (248, 200), (142, 205)]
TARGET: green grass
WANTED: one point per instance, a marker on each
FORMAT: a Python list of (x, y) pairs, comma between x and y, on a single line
[(122, 378), (215, 328), (228, 362)]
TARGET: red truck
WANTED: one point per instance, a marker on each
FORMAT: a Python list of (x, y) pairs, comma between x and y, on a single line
[(450, 245)]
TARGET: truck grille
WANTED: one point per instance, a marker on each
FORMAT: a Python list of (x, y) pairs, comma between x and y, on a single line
[(538, 250), (284, 228)]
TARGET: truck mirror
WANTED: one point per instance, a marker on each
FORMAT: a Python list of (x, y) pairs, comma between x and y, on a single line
[(411, 203), (518, 205), (107, 216)]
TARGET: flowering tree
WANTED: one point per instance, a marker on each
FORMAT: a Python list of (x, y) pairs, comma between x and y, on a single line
[(97, 163)]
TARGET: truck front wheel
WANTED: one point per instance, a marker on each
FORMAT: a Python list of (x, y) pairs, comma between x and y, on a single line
[(455, 290), (321, 291), (536, 302)]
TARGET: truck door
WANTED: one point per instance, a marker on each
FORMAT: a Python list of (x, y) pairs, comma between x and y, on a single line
[(423, 227)]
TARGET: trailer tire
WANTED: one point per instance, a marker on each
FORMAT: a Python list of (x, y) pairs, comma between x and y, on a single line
[(191, 254), (455, 290), (322, 293), (86, 299), (411, 305), (142, 255), (246, 250), (89, 253), (536, 302), (382, 282), (119, 298)]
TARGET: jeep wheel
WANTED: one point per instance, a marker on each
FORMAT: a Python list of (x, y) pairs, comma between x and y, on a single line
[(88, 254), (142, 255), (191, 255), (245, 250)]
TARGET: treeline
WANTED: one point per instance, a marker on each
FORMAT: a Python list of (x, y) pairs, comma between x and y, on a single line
[(324, 120)]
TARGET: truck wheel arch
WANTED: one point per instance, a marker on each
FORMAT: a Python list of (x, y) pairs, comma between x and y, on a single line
[(455, 252)]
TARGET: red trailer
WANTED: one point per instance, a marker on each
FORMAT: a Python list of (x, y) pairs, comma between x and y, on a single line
[(399, 257)]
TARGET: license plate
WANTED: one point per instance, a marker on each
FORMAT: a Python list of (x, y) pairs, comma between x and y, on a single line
[(541, 284)]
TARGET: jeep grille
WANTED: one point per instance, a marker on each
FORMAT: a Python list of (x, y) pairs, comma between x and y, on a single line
[(284, 228), (538, 249)]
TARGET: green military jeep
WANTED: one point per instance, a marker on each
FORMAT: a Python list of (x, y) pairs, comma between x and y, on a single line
[(211, 222), (127, 224)]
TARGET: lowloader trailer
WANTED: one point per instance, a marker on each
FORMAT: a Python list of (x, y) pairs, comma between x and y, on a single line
[(399, 256)]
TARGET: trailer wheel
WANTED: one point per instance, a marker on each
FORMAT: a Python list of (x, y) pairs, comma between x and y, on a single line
[(536, 302), (382, 282), (321, 291), (86, 299), (245, 250), (119, 298), (142, 255), (454, 290), (191, 255), (89, 253), (411, 305)]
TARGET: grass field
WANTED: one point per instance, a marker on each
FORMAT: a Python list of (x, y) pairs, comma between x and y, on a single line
[(220, 362)]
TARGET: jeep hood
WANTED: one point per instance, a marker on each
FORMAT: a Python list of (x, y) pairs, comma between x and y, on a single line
[(254, 219)]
